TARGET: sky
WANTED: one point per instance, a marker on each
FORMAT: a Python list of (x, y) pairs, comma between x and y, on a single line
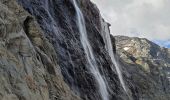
[(138, 18)]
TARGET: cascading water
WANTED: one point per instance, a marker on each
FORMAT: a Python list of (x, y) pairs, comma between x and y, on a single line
[(109, 48), (89, 53)]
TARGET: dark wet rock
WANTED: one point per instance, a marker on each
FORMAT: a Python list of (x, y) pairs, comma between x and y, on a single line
[(57, 18)]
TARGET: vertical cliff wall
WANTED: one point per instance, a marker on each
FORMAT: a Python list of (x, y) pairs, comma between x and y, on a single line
[(57, 18), (42, 57)]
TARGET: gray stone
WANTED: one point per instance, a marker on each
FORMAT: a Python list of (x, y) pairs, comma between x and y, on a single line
[(28, 68)]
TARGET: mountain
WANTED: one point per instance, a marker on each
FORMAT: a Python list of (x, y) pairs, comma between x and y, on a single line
[(63, 50), (148, 65)]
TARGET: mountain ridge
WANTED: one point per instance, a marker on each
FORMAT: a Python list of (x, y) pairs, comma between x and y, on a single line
[(151, 66)]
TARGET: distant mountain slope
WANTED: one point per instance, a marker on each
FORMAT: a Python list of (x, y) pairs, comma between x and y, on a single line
[(148, 65)]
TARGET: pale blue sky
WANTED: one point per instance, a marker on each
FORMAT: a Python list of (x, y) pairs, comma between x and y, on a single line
[(142, 18)]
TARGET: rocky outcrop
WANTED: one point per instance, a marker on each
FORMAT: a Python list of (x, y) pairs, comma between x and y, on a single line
[(148, 66), (28, 67)]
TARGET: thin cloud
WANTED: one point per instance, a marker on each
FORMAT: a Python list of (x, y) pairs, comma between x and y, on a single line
[(142, 18)]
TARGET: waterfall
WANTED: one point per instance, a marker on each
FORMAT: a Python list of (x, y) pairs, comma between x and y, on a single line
[(89, 53), (109, 48)]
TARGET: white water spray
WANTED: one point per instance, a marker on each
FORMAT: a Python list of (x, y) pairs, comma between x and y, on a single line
[(109, 48), (89, 53)]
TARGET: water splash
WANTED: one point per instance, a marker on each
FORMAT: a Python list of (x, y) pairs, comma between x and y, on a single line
[(89, 53)]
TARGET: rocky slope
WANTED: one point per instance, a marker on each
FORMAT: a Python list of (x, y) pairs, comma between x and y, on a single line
[(148, 65)]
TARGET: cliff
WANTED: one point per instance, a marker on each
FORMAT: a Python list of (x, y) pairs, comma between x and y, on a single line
[(43, 55)]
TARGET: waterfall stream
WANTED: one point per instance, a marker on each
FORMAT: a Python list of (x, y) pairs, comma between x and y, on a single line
[(93, 67), (109, 48)]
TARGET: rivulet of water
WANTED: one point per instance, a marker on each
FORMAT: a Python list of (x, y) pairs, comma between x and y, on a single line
[(93, 67), (109, 48)]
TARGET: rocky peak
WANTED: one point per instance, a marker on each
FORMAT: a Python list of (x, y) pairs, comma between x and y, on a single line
[(141, 48), (147, 58)]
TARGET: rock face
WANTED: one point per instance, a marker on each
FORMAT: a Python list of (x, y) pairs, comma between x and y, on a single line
[(147, 64), (28, 67), (57, 18), (41, 54)]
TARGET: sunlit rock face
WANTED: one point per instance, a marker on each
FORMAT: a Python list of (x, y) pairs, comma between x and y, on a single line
[(148, 64)]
